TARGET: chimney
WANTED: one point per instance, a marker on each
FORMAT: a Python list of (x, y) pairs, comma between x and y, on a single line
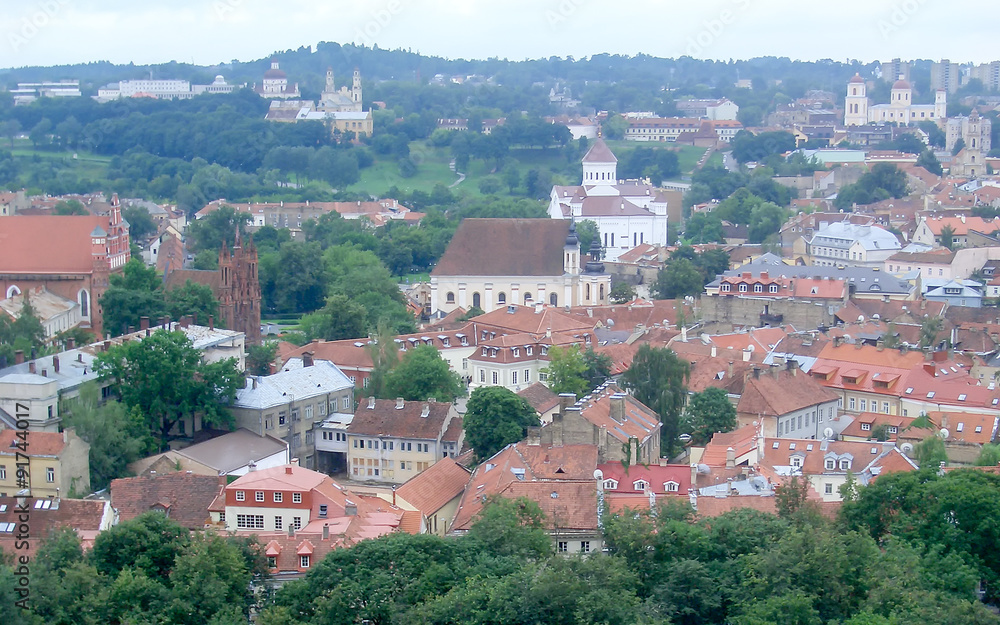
[(18, 356), (880, 344), (566, 400), (534, 438), (730, 458), (107, 346), (143, 323), (31, 366), (775, 370), (253, 382), (715, 350), (211, 322), (399, 403), (729, 372), (70, 343), (929, 368), (756, 372), (288, 470), (684, 334), (350, 508), (837, 340), (618, 407), (326, 530), (746, 355), (307, 359), (539, 305), (291, 530), (55, 364), (394, 494), (425, 411), (371, 403), (793, 366)]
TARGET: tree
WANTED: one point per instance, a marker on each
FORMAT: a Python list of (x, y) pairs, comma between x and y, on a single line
[(140, 224), (614, 126), (566, 371), (930, 162), (117, 436), (586, 231), (10, 129), (339, 319), (958, 147), (208, 578), (679, 278), (948, 237), (218, 228), (989, 455), (494, 418), (162, 377), (930, 452), (150, 543), (790, 496), (260, 357), (765, 220), (506, 527), (708, 412), (423, 374), (192, 299), (384, 353), (929, 329), (24, 333), (133, 294), (69, 207), (657, 378), (621, 293)]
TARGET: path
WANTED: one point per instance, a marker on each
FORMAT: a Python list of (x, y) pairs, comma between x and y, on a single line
[(461, 176)]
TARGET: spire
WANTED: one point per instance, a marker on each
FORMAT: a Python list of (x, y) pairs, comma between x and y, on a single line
[(594, 264), (571, 238), (238, 243)]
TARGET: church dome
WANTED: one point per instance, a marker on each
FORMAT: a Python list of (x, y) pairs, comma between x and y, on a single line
[(900, 84), (857, 78)]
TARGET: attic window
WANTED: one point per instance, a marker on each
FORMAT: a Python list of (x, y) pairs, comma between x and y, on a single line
[(796, 461), (866, 426), (809, 447), (979, 429), (909, 389), (775, 445), (961, 426), (791, 445), (518, 473), (610, 484), (671, 486), (640, 485), (930, 395), (962, 397), (831, 464), (845, 464)]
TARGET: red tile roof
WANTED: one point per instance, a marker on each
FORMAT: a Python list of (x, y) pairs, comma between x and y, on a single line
[(656, 476), (540, 397), (184, 497), (433, 488), (43, 244), (505, 247), (385, 417), (87, 517), (786, 392)]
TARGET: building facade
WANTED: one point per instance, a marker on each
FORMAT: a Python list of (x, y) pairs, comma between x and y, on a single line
[(239, 289)]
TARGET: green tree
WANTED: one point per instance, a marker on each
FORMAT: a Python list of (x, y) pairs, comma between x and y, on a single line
[(208, 578), (614, 126), (657, 378), (930, 327), (133, 294), (69, 207), (192, 299), (566, 370), (586, 231), (24, 333), (151, 543), (708, 412), (218, 228), (117, 436), (622, 293), (507, 527), (948, 237), (423, 374), (384, 353), (790, 496), (162, 377), (765, 220), (989, 455), (260, 357), (496, 417), (679, 278), (930, 452), (339, 319), (930, 162)]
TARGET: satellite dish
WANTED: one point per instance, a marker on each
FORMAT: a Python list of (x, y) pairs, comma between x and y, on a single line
[(598, 474), (944, 433), (861, 318), (684, 438), (906, 448), (828, 433), (876, 317), (611, 323)]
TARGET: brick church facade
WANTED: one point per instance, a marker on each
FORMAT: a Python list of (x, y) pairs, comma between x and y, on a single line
[(70, 256), (239, 289)]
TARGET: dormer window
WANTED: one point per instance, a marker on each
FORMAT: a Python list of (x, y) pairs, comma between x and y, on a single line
[(845, 464), (640, 485), (671, 486), (743, 288), (726, 288), (485, 351), (610, 484), (515, 351), (528, 350), (797, 462), (758, 288), (831, 464), (773, 288), (866, 426)]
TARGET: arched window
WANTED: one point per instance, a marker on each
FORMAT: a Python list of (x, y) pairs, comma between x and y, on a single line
[(13, 290), (475, 300), (553, 299), (501, 298), (450, 297), (527, 297), (601, 292), (83, 297), (587, 291)]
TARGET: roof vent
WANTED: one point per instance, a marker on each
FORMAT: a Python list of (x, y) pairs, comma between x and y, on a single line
[(399, 403)]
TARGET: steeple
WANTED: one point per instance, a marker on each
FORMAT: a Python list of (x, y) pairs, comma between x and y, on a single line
[(571, 239), (594, 264)]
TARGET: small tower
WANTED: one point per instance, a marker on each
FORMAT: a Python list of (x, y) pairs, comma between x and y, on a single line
[(571, 251), (941, 105), (856, 102), (600, 169), (356, 86), (329, 80)]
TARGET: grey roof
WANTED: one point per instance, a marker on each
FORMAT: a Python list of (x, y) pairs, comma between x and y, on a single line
[(863, 279), (234, 450), (76, 366), (292, 385), (846, 234)]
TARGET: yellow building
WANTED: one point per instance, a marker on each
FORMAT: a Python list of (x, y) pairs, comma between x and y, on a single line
[(50, 464)]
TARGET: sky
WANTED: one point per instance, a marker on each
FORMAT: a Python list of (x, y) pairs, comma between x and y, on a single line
[(208, 32)]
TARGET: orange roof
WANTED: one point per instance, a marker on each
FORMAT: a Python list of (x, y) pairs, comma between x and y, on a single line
[(430, 490), (48, 244), (743, 441), (637, 421), (962, 225), (38, 443)]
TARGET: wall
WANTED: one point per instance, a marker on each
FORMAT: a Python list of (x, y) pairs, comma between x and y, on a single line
[(746, 311)]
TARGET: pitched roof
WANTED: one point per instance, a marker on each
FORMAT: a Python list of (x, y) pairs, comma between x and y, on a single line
[(505, 247), (48, 244), (430, 490), (776, 395), (599, 153), (298, 384), (185, 497), (526, 319), (635, 420), (540, 397), (655, 475), (234, 450), (178, 277), (38, 443), (385, 417), (88, 517), (286, 477)]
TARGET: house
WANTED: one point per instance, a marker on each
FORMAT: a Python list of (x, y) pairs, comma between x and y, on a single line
[(492, 263), (233, 453), (290, 404), (58, 463), (954, 292), (86, 517), (69, 256), (936, 262), (436, 493), (394, 440), (643, 486), (930, 229), (627, 213), (544, 401), (845, 243), (620, 426), (709, 109), (182, 496), (787, 403), (559, 479), (56, 313)]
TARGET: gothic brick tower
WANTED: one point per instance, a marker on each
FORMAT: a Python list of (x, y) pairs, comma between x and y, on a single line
[(239, 290)]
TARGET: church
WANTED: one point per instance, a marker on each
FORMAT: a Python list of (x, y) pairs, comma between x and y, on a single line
[(858, 110), (491, 263), (275, 84), (628, 213), (342, 101)]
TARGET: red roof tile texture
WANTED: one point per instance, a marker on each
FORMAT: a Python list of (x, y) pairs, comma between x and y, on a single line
[(185, 497), (505, 247)]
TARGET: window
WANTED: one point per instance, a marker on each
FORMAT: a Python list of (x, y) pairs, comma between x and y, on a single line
[(885, 407), (496, 378), (610, 484), (482, 375), (515, 352), (773, 288), (513, 377), (450, 297), (850, 403), (640, 485), (796, 461), (866, 426), (528, 349), (671, 487), (831, 464), (828, 488), (281, 418), (304, 562), (562, 546), (322, 408), (279, 496), (345, 403), (272, 562), (296, 497), (501, 298), (864, 405), (250, 521), (308, 413), (278, 523), (297, 522), (258, 495), (758, 288), (845, 464), (3, 472), (584, 546), (241, 495), (743, 288), (527, 376)]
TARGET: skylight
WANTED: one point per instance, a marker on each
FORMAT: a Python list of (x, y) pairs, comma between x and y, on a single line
[(908, 390), (930, 394), (961, 397)]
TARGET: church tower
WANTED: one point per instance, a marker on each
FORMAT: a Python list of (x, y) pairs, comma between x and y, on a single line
[(856, 102), (329, 82), (356, 88), (239, 290), (600, 169), (941, 105)]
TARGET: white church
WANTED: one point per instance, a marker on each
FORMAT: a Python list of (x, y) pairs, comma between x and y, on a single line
[(858, 110), (627, 212)]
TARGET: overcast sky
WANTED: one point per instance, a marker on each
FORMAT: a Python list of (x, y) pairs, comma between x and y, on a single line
[(53, 32)]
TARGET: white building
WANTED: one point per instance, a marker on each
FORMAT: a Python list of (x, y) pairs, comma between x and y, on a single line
[(844, 243), (858, 109), (627, 213)]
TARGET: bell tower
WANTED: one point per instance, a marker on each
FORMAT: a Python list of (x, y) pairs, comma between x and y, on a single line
[(856, 102)]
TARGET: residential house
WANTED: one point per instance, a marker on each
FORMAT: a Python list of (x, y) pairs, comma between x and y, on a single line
[(394, 440), (291, 403), (436, 493), (787, 403), (643, 486), (709, 109), (544, 401), (58, 463), (954, 292), (930, 229), (233, 453), (845, 243), (182, 496), (86, 517)]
